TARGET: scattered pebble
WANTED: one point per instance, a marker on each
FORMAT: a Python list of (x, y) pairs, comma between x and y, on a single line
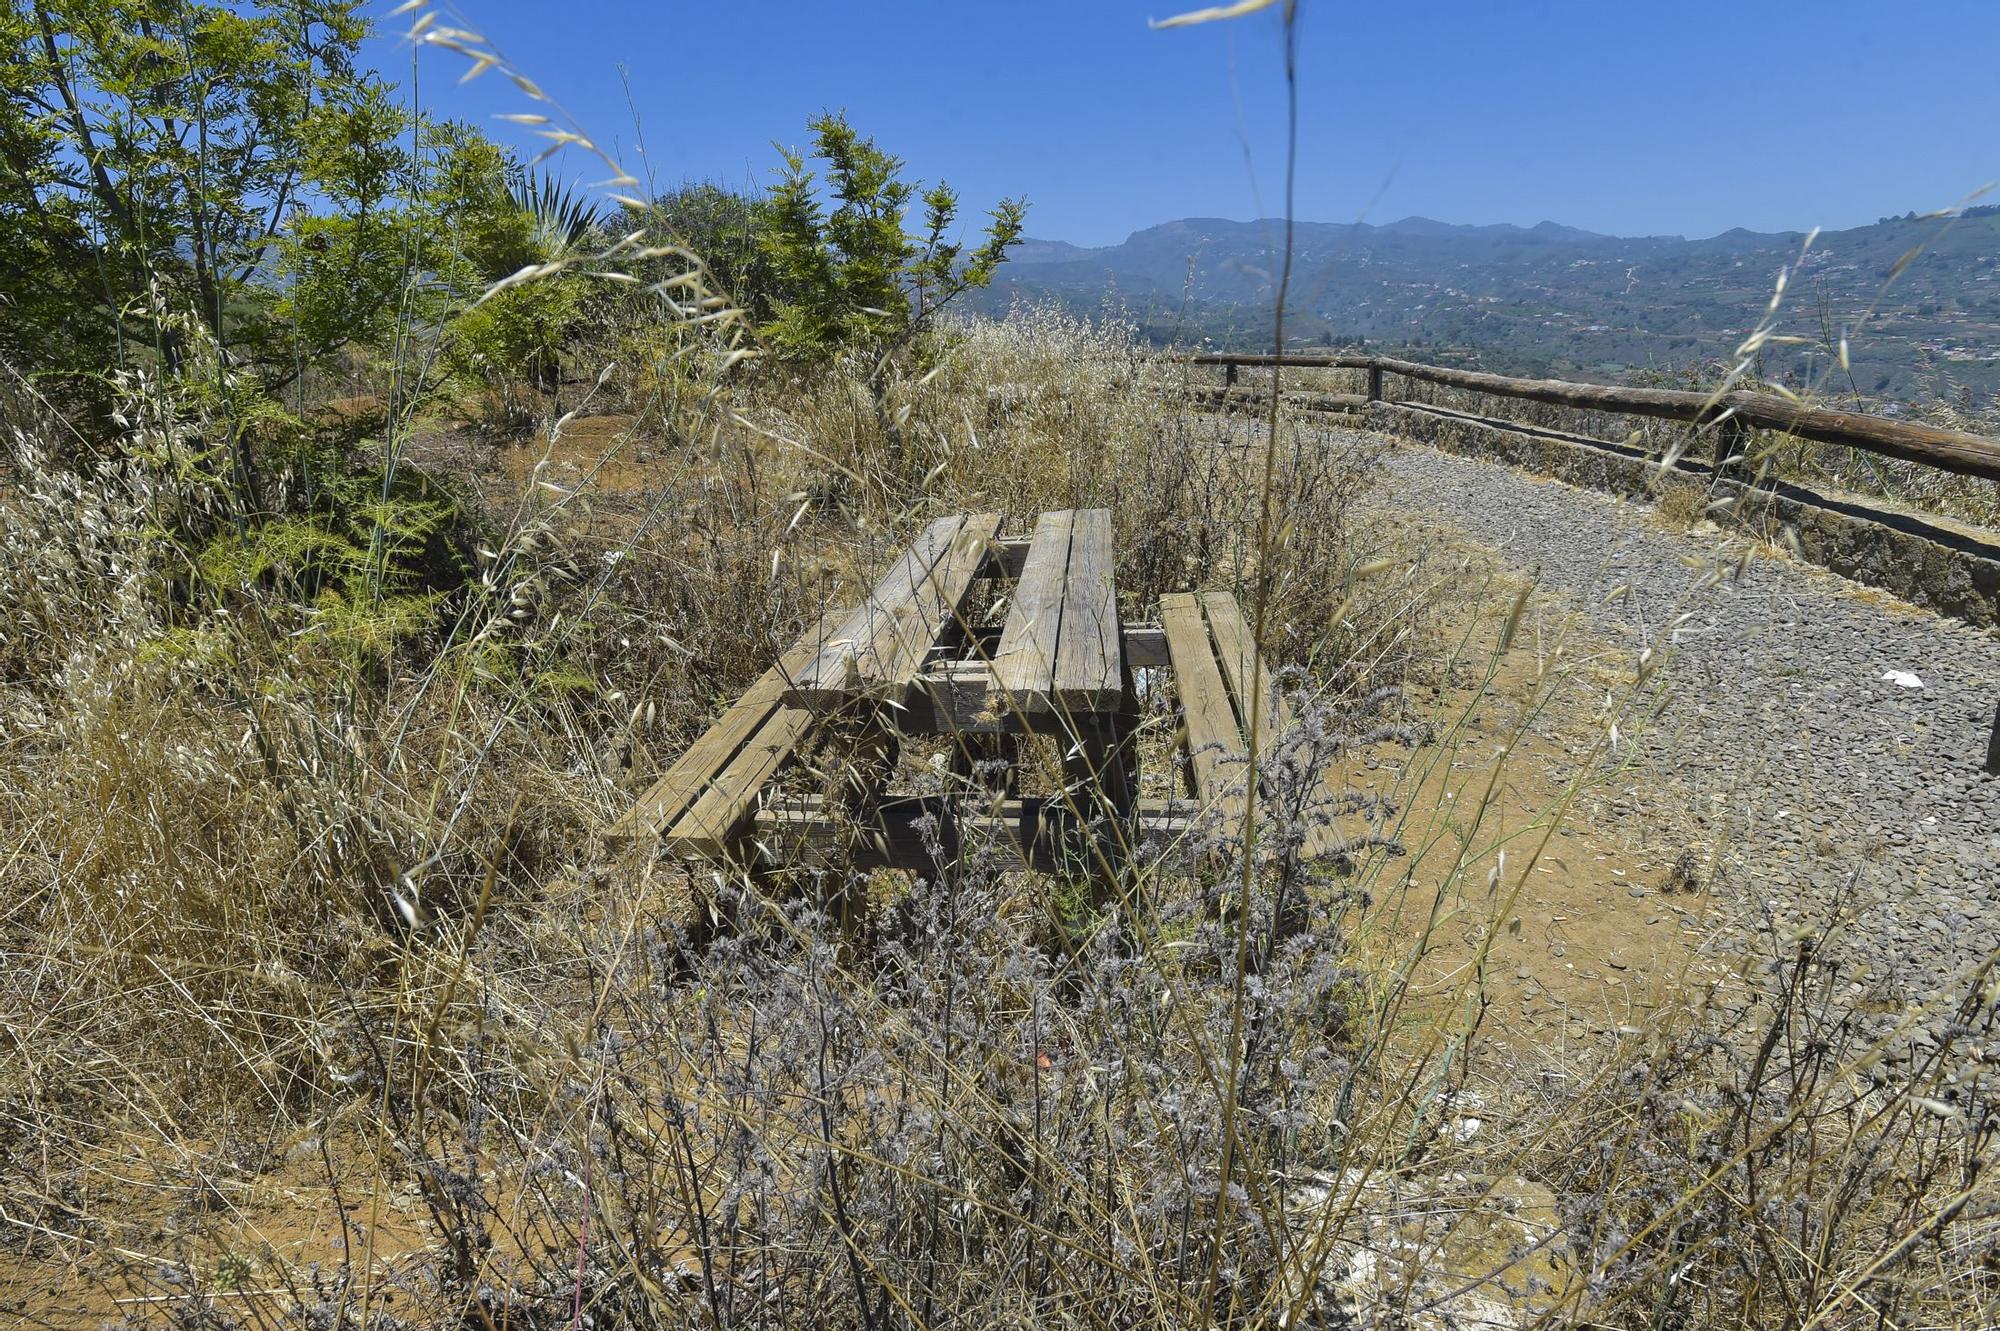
[(1782, 693)]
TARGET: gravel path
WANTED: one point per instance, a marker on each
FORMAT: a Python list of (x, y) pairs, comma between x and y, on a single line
[(1809, 774)]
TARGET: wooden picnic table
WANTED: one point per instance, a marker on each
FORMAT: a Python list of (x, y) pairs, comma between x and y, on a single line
[(1042, 652)]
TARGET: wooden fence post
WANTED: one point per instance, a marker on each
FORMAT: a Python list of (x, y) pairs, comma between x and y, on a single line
[(1374, 381), (1229, 375), (1732, 437)]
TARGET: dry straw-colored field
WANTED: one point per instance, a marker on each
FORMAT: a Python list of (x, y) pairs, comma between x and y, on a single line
[(326, 1003)]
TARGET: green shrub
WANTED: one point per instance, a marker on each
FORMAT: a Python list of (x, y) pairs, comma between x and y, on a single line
[(504, 221), (853, 277)]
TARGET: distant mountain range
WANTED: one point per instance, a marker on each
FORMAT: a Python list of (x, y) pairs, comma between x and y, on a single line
[(1555, 300)]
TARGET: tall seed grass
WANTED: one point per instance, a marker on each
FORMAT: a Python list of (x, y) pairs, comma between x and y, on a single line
[(274, 915), (532, 1056)]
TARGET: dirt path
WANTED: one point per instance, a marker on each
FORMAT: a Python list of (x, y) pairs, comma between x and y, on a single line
[(1536, 883), (1803, 781)]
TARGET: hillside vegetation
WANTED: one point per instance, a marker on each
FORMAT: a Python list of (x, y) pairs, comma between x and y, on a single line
[(1918, 298), (379, 516)]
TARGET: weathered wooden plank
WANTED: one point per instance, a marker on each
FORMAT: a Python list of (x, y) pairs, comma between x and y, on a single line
[(690, 774), (1027, 834), (1024, 665), (923, 619), (1100, 787), (1090, 656), (1244, 668), (1951, 450), (713, 823), (856, 651), (1216, 751), (1236, 650), (807, 832), (1013, 555), (955, 697), (1145, 646)]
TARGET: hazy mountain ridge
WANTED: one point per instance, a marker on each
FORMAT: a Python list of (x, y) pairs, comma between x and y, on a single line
[(1555, 299)]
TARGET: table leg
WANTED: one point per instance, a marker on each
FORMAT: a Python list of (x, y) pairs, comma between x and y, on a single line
[(1099, 776), (871, 747)]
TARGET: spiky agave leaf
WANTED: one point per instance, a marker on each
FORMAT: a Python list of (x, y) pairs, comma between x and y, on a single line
[(564, 219)]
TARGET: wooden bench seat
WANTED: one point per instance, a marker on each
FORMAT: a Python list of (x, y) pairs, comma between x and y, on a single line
[(705, 805), (1060, 650), (709, 795), (906, 661), (1216, 668)]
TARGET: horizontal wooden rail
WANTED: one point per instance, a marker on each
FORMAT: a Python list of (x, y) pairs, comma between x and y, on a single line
[(1950, 450)]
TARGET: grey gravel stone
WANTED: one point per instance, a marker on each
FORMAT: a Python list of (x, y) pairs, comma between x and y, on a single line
[(1773, 702)]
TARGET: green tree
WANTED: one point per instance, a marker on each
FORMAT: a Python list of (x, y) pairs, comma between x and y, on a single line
[(724, 227), (497, 221), (215, 193), (852, 276), (154, 152)]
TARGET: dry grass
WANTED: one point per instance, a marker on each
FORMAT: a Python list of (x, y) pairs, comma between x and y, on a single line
[(325, 1005), (282, 930)]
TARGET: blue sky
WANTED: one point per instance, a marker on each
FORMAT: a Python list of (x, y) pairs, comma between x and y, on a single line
[(1625, 116)]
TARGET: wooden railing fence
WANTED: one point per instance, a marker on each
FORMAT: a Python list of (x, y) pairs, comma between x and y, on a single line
[(1730, 413)]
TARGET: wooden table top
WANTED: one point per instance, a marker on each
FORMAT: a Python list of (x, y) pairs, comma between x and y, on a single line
[(1060, 649)]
